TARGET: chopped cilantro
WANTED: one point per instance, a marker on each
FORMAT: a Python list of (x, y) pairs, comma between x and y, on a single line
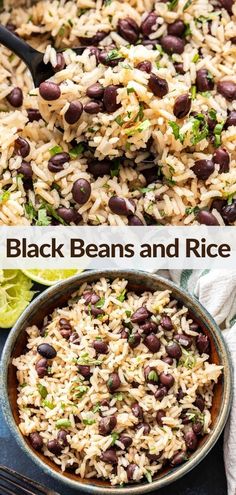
[(89, 421), (231, 198), (206, 94), (4, 196), (80, 391), (43, 219), (49, 208), (153, 376), (200, 129), (195, 58), (187, 5), (42, 390), (96, 408), (176, 131), (118, 396), (115, 168), (193, 209), (63, 423), (130, 90), (76, 151), (56, 149), (113, 55), (138, 128), (119, 120), (212, 114), (121, 297), (47, 403), (30, 211), (114, 437), (193, 92), (187, 30), (100, 303), (61, 31), (128, 313), (172, 4), (146, 189), (140, 113)]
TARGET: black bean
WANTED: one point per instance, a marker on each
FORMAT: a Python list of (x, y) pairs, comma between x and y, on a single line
[(184, 340), (194, 326), (126, 440), (204, 80), (100, 347), (49, 91), (96, 311), (66, 333), (174, 350), (180, 395), (185, 418), (26, 170), (227, 5), (221, 156), (149, 327), (168, 360), (153, 457), (36, 441), (69, 215), (140, 315), (81, 191), (227, 89), (84, 370), (200, 402), (121, 206), (60, 62), (205, 217), (197, 427), (229, 213), (157, 85), (134, 221), (151, 375), (145, 66), (109, 456), (145, 426), (134, 340), (56, 162), (166, 323), (93, 40), (178, 458), (33, 114), (231, 119), (130, 471), (21, 147), (160, 393), (191, 440), (15, 97), (93, 107), (167, 379), (179, 67), (150, 44), (152, 342), (110, 98), (177, 28), (105, 59), (47, 351), (149, 24), (202, 343), (203, 169), (74, 338), (95, 91), (63, 322), (128, 29), (182, 106), (113, 382), (106, 425), (55, 447), (137, 410), (159, 416), (61, 437), (74, 112), (41, 367), (105, 403), (90, 297), (99, 168), (172, 44), (233, 40)]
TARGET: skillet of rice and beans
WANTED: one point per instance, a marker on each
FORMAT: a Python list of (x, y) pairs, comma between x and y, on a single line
[(116, 385), (139, 129)]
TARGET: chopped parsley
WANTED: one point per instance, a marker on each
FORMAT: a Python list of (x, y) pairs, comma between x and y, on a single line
[(63, 423), (42, 390)]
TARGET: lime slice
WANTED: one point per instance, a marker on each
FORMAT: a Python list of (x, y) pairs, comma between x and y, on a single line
[(49, 277), (15, 295)]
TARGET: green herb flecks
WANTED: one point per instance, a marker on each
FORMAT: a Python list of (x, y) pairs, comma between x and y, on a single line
[(118, 396), (195, 58), (114, 437), (56, 149), (113, 55), (148, 476), (217, 133), (200, 129), (43, 219), (121, 297), (190, 210), (230, 198), (42, 390), (63, 423), (153, 376), (80, 391), (115, 168), (119, 120), (76, 151), (89, 422), (96, 408), (50, 405), (212, 114), (176, 131), (4, 196), (187, 5), (193, 92), (142, 127), (100, 303), (172, 4)]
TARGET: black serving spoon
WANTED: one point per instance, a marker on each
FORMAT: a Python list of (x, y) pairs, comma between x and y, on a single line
[(32, 58)]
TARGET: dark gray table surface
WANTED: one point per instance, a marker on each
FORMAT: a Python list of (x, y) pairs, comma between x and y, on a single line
[(206, 479)]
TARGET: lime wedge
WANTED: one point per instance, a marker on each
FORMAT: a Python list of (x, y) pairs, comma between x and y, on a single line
[(49, 277), (15, 295)]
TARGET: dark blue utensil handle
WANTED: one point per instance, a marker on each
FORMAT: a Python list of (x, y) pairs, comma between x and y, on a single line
[(18, 46)]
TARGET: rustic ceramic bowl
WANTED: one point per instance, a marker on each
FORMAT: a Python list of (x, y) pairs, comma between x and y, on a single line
[(58, 296)]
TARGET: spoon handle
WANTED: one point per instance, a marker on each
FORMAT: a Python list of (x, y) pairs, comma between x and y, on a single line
[(18, 46)]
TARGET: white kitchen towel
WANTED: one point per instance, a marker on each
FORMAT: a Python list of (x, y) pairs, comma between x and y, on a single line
[(216, 290)]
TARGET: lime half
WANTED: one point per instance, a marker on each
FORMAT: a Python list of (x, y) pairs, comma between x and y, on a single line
[(15, 295), (49, 277)]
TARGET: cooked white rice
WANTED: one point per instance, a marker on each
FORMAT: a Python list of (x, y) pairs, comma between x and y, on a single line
[(64, 395), (178, 194)]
